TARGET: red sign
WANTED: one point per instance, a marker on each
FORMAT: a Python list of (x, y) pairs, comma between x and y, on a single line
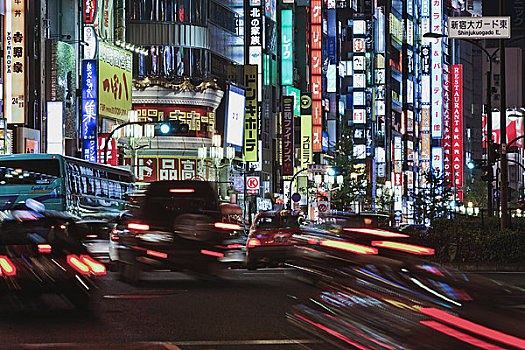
[(317, 62), (317, 87), (457, 124), (317, 138), (165, 168), (288, 135), (446, 141), (252, 184), (317, 113), (316, 37), (90, 11), (112, 156), (316, 14)]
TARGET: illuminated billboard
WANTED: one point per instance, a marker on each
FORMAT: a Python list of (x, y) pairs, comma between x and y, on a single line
[(437, 70), (287, 47), (14, 61), (287, 136), (114, 81), (457, 124), (251, 116), (89, 110), (235, 116)]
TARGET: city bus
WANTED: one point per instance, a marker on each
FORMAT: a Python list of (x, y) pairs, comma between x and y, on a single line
[(86, 190)]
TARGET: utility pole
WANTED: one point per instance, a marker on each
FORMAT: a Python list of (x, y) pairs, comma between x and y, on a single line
[(503, 130)]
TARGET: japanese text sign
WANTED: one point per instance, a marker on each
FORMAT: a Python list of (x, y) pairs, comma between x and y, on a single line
[(14, 61), (287, 47), (479, 27), (288, 136), (115, 68), (251, 120), (89, 110)]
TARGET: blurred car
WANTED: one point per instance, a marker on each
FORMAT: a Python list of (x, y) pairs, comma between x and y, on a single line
[(174, 225), (418, 230), (39, 256), (338, 220), (376, 291), (95, 234), (235, 253), (268, 243)]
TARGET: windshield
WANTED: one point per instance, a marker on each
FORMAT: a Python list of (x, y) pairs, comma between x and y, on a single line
[(278, 222), (29, 172)]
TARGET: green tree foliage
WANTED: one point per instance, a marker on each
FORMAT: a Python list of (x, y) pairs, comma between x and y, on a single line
[(476, 192), (354, 188), (432, 201)]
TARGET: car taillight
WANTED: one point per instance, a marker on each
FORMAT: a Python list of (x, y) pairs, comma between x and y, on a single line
[(350, 247), (226, 226), (404, 247), (6, 266), (44, 248), (91, 236), (234, 246), (138, 227), (114, 235), (182, 190), (253, 242), (86, 265)]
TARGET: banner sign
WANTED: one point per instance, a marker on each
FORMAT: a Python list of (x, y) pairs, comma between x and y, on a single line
[(306, 140), (251, 119), (316, 20), (112, 150), (288, 136), (89, 110), (286, 47), (200, 120), (114, 81), (457, 124), (437, 70), (14, 61)]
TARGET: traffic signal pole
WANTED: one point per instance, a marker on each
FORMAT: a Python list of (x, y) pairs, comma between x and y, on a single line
[(503, 130)]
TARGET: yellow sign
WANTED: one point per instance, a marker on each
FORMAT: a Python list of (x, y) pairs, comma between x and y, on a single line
[(250, 114), (14, 61), (114, 81), (306, 140)]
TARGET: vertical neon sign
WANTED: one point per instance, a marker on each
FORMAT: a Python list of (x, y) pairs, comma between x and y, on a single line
[(286, 47), (89, 110)]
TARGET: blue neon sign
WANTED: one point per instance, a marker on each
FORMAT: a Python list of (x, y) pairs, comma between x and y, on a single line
[(89, 110)]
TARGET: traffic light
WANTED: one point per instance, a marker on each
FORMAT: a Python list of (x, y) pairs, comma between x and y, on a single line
[(171, 128), (486, 173), (475, 164)]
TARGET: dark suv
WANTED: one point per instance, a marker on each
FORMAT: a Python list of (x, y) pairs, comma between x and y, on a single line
[(173, 225)]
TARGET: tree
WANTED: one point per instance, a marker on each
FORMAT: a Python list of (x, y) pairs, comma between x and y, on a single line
[(476, 192), (432, 200), (355, 186)]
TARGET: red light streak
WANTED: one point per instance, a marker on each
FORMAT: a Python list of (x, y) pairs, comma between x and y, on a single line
[(226, 226), (44, 248), (157, 254), (459, 335), (473, 327), (182, 190), (375, 232), (138, 227), (7, 266), (404, 247), (212, 253), (334, 333), (351, 247)]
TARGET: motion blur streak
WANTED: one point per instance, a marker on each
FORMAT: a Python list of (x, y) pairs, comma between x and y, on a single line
[(353, 329), (404, 247), (7, 266), (139, 227), (226, 226), (379, 278), (44, 248), (94, 266), (334, 333), (254, 242), (351, 247), (75, 262), (461, 336), (157, 254), (376, 232), (212, 253), (182, 190), (433, 291), (473, 327)]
